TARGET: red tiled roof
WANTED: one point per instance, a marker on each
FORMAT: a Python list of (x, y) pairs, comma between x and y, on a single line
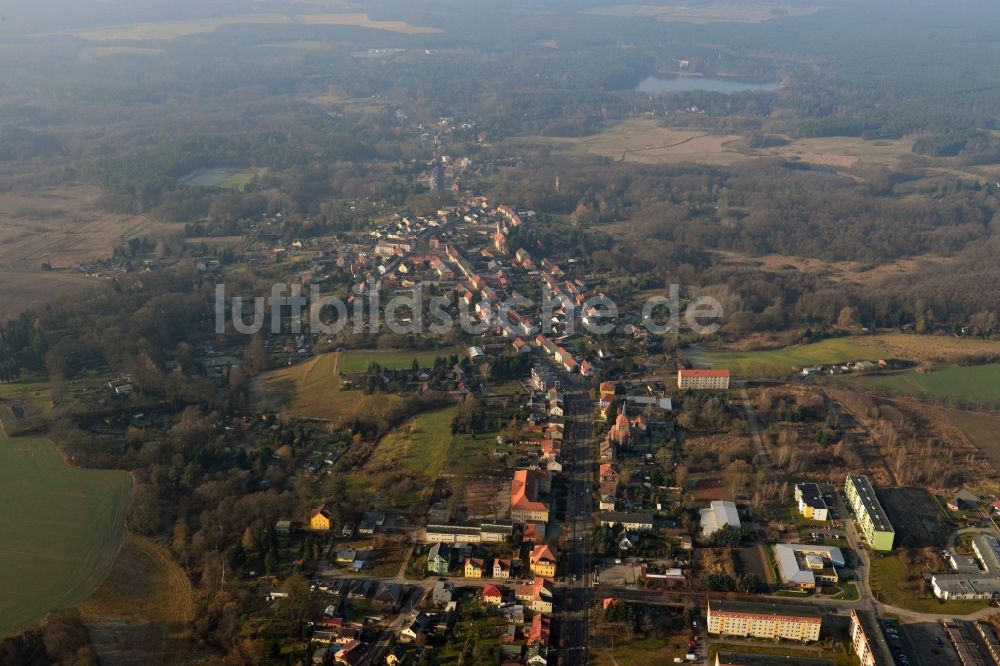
[(704, 373)]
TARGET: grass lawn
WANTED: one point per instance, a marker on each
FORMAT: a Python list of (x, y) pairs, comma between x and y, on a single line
[(782, 362), (982, 430), (642, 651), (977, 386), (783, 649), (62, 526), (421, 444), (888, 576), (357, 361)]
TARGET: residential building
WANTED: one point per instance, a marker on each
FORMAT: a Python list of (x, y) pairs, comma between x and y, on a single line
[(971, 582), (474, 567), (871, 518), (492, 595), (811, 502), (525, 490), (321, 519), (864, 633), (635, 522), (501, 569), (542, 561), (963, 500), (439, 559), (536, 595), (804, 566), (444, 592), (452, 534), (720, 513), (761, 620), (700, 380)]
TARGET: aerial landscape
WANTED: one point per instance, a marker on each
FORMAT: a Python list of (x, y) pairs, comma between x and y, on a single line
[(468, 332)]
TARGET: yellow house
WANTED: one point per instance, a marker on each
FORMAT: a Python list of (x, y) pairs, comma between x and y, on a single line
[(543, 562), (474, 567), (320, 519)]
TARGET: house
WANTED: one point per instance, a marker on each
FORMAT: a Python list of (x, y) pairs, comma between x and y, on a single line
[(321, 519), (371, 521), (492, 595), (396, 655), (501, 569), (525, 489), (542, 561), (540, 631), (474, 567), (536, 595), (439, 559), (420, 624), (346, 555), (283, 527), (352, 653), (628, 541), (963, 500), (388, 594), (533, 532), (444, 592), (635, 522), (719, 514)]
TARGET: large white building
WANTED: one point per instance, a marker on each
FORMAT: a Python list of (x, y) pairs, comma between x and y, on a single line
[(803, 566), (768, 621), (719, 514), (864, 633), (983, 584), (811, 502)]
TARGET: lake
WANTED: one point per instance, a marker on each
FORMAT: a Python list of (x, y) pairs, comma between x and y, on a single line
[(656, 84)]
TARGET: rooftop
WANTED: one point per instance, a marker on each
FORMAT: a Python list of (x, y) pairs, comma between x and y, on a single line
[(751, 608), (865, 491)]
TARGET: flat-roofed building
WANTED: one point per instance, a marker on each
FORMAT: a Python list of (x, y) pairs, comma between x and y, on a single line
[(719, 514), (700, 380), (870, 516), (971, 582), (811, 502), (802, 566), (768, 621)]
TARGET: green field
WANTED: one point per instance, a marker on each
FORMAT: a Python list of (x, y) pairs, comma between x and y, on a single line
[(973, 386), (238, 180), (982, 430), (356, 361), (420, 445), (782, 362), (62, 528)]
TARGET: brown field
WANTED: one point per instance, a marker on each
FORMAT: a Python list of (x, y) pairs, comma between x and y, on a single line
[(62, 225), (21, 290), (169, 30), (645, 141), (981, 429), (708, 13), (838, 271), (141, 613)]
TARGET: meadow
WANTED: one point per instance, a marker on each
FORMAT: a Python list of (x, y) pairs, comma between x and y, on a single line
[(420, 445), (782, 362), (313, 390), (981, 429), (63, 528), (963, 386)]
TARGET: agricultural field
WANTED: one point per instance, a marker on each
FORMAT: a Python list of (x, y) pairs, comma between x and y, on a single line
[(707, 13), (312, 390), (357, 361), (941, 348), (63, 528), (420, 444), (221, 178), (981, 429), (21, 290), (142, 611), (965, 386), (63, 226), (170, 30), (782, 362)]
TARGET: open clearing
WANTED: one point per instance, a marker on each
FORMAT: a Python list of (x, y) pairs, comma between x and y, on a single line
[(707, 13), (834, 271), (782, 362), (970, 386), (169, 30), (356, 361), (141, 612), (420, 444), (944, 348), (62, 529)]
